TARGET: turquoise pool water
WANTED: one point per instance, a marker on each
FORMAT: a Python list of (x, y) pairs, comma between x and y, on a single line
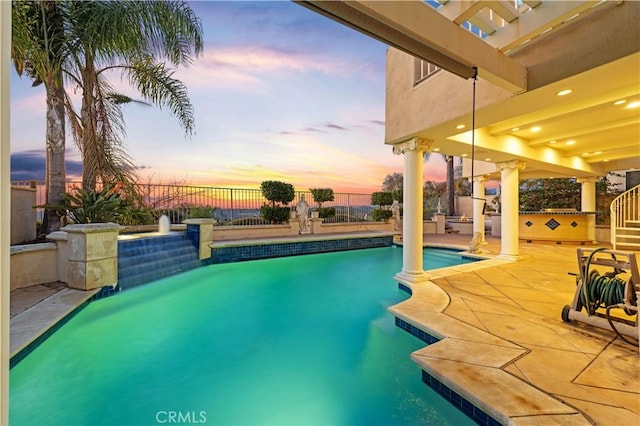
[(301, 340)]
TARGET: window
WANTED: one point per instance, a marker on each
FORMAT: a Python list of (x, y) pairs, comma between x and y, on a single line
[(423, 70)]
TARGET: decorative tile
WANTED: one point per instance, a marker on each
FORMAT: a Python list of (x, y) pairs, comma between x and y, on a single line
[(528, 223), (267, 251), (574, 224), (458, 401), (552, 224)]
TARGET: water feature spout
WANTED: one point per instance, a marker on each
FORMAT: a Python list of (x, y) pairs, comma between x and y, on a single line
[(164, 226)]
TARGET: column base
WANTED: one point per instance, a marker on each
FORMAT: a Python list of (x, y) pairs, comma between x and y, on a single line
[(506, 256), (406, 277)]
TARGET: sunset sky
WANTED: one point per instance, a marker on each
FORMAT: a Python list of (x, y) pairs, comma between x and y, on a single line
[(279, 92)]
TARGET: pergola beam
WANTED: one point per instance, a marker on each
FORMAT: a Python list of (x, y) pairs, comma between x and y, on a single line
[(421, 31)]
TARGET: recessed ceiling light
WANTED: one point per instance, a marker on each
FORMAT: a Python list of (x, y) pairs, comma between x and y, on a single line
[(535, 129), (487, 159), (436, 149), (634, 104), (606, 161), (571, 142), (552, 142), (463, 155), (585, 154), (597, 153), (564, 92), (515, 129), (460, 126), (620, 102)]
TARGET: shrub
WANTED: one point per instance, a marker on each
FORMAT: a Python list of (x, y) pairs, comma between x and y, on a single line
[(382, 198), (107, 205), (275, 214), (326, 212), (280, 194), (277, 192), (321, 195), (201, 212), (381, 215)]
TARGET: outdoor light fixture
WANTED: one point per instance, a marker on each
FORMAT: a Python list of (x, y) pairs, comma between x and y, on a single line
[(564, 92)]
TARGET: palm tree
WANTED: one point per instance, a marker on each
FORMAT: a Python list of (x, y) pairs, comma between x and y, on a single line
[(38, 49), (451, 206), (83, 40), (131, 37)]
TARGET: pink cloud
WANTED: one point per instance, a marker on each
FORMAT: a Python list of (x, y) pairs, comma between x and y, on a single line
[(239, 66)]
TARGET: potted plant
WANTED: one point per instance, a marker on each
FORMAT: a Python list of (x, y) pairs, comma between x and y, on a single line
[(321, 195), (279, 195)]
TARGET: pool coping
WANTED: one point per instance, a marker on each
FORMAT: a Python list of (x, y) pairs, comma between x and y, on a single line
[(299, 239), (31, 327), (451, 362)]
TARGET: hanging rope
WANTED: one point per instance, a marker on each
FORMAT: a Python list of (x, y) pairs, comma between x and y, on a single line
[(473, 139)]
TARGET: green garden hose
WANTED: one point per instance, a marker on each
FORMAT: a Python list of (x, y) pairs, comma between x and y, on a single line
[(606, 291)]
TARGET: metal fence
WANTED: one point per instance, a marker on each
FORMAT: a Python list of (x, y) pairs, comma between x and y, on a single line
[(229, 206)]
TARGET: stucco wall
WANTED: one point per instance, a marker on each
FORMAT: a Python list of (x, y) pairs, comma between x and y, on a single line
[(444, 99), (23, 215), (33, 264)]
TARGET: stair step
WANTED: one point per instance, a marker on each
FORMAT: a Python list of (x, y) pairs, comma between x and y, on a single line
[(627, 229), (627, 246)]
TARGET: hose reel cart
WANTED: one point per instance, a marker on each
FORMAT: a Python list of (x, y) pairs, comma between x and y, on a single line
[(608, 280)]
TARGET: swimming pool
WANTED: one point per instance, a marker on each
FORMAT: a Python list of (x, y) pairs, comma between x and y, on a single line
[(295, 340)]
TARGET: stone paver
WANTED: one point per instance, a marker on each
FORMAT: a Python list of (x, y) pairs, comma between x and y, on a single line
[(559, 373)]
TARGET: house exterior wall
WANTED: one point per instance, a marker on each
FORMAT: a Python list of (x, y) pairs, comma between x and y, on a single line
[(444, 98), (23, 215)]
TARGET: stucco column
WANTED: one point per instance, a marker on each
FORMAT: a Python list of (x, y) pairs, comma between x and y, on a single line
[(510, 182), (588, 202), (93, 255), (478, 205), (200, 232), (5, 208), (412, 265)]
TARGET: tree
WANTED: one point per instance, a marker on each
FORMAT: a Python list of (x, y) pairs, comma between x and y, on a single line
[(39, 49), (393, 182), (538, 194), (83, 40), (322, 195), (451, 204), (131, 37), (279, 194)]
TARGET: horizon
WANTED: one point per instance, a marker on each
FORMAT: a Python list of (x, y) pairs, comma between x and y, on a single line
[(279, 93)]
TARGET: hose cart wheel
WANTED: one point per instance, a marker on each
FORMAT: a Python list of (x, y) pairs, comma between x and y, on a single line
[(565, 313)]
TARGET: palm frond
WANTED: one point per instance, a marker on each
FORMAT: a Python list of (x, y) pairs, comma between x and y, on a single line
[(156, 84)]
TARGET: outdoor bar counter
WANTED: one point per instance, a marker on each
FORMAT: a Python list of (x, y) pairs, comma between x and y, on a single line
[(559, 225)]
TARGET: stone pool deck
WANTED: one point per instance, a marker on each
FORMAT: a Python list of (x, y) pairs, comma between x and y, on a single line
[(504, 346)]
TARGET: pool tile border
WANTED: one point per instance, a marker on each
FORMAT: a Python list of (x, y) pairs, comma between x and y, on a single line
[(234, 252), (457, 400)]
